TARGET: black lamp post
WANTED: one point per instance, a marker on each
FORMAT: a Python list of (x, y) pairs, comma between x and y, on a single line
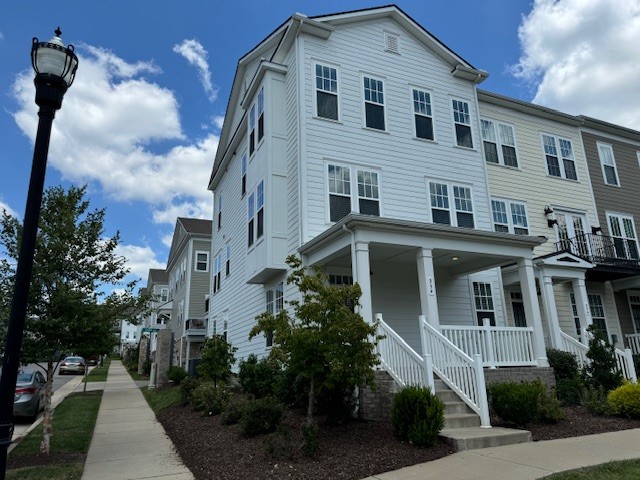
[(55, 66)]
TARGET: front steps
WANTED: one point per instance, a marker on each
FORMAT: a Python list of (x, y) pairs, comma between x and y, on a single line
[(462, 425)]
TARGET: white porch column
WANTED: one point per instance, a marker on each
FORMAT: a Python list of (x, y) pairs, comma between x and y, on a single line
[(427, 284), (363, 277), (582, 302), (186, 364), (551, 310), (532, 309)]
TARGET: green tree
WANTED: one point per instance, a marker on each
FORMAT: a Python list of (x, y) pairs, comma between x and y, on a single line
[(325, 340), (216, 359), (68, 309), (602, 371)]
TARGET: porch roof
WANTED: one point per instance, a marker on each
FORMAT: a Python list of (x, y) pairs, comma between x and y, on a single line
[(477, 249)]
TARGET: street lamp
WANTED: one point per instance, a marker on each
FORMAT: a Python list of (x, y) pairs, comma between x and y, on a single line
[(55, 66)]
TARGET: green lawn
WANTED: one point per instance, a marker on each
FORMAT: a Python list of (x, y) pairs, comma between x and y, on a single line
[(159, 399), (99, 374), (623, 470), (73, 423)]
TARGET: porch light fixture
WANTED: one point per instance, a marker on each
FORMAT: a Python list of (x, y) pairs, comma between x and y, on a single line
[(596, 230), (548, 210), (55, 67), (551, 222)]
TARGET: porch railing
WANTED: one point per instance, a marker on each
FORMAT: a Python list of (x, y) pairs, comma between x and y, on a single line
[(498, 346), (194, 325), (602, 250), (633, 340), (401, 361), (463, 374), (571, 345)]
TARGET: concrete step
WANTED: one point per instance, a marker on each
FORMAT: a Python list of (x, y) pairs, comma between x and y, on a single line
[(456, 407), (476, 437), (461, 420), (447, 396)]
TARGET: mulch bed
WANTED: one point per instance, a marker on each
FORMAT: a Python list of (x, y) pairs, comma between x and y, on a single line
[(38, 459)]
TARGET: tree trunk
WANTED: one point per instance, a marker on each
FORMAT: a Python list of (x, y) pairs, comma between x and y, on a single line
[(47, 416), (312, 399)]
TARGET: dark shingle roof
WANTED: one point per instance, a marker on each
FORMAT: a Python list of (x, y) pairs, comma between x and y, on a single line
[(196, 225), (158, 275)]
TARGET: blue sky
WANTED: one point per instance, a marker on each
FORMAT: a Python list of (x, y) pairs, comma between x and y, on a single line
[(140, 125)]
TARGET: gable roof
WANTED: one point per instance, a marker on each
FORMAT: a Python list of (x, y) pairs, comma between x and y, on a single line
[(158, 276), (196, 225), (280, 40), (186, 228)]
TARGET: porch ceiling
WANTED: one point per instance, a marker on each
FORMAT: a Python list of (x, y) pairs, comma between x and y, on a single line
[(460, 251)]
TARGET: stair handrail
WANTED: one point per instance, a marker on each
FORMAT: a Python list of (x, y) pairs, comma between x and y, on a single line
[(463, 374)]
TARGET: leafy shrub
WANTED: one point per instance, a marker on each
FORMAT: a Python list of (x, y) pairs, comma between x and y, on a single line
[(625, 400), (524, 402), (187, 386), (569, 384), (260, 378), (595, 399), (216, 359), (283, 444), (261, 416), (209, 399), (176, 374), (233, 411), (337, 403), (603, 369), (417, 415)]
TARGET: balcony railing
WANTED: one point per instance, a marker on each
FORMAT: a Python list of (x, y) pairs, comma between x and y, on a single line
[(602, 250), (196, 326)]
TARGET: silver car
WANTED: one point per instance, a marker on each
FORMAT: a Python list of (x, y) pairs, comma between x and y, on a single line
[(28, 399), (72, 365)]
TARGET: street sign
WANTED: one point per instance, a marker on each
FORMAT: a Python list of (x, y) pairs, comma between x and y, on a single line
[(149, 329)]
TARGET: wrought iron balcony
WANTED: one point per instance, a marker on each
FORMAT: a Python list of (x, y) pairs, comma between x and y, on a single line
[(602, 250)]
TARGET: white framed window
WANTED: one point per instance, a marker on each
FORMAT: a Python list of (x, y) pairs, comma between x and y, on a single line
[(558, 153), (638, 157), (256, 119), (227, 266), (483, 302), (462, 123), (255, 214), (451, 204), (509, 216), (219, 210), (623, 231), (164, 294), (422, 114), (243, 189), (634, 304), (499, 143), (217, 277), (202, 261), (608, 164), (260, 114), (326, 92), (252, 129), (374, 114), (576, 317), (274, 305), (343, 199), (597, 313)]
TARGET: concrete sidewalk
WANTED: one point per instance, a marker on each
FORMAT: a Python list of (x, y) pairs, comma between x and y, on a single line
[(128, 442), (525, 461)]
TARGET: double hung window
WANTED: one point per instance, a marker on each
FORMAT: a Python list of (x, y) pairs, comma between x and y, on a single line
[(343, 199), (451, 204), (202, 262), (484, 303), (228, 262), (217, 277), (256, 117), (559, 157), (326, 92), (219, 210), (597, 313), (499, 143), (255, 214), (374, 103), (274, 305), (423, 118), (462, 122), (608, 163), (509, 217), (623, 232), (244, 174)]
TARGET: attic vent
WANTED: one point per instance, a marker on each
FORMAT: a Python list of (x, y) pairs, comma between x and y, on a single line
[(391, 42)]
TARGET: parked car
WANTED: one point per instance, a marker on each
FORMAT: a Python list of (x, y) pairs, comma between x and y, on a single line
[(93, 360), (72, 365), (28, 399)]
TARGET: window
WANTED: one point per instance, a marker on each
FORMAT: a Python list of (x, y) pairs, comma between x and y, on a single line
[(227, 267), (442, 196), (484, 303), (244, 173), (326, 92), (260, 114), (219, 210), (509, 217), (597, 313), (367, 201), (255, 214), (164, 294), (576, 317), (500, 146), (634, 304), (256, 116), (462, 122), (202, 261), (608, 163), (562, 165), (374, 103), (252, 130), (217, 267), (423, 119), (623, 231), (275, 304)]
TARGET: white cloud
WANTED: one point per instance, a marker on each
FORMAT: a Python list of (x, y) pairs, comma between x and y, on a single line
[(4, 207), (197, 56), (582, 57), (109, 131), (139, 259)]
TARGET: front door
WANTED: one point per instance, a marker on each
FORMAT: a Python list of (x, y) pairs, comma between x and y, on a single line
[(571, 233)]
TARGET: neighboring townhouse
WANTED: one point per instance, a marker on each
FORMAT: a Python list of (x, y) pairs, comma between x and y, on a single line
[(540, 185), (188, 268), (159, 307), (354, 141), (613, 156), (129, 335)]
